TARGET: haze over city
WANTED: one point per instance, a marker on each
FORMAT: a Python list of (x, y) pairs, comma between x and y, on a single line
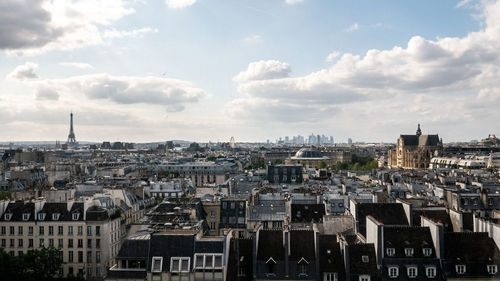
[(205, 70)]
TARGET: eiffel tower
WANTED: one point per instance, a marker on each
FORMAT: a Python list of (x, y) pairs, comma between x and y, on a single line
[(71, 137)]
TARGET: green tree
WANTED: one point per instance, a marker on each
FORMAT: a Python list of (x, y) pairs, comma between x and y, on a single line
[(43, 264), (321, 164)]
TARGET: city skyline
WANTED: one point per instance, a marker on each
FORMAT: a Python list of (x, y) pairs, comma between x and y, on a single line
[(145, 71)]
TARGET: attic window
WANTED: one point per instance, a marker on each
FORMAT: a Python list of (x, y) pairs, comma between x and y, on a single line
[(75, 216), (393, 271), (365, 259), (430, 271), (492, 268), (412, 271), (55, 216), (207, 261), (330, 276), (157, 264), (26, 216), (391, 252), (427, 251), (460, 268), (8, 216), (409, 252), (179, 264), (41, 216)]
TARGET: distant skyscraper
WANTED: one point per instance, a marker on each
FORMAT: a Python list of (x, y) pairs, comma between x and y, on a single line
[(349, 141), (71, 136)]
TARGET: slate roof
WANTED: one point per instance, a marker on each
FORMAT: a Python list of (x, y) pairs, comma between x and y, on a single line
[(167, 246), (436, 215), (134, 249), (401, 237), (423, 140), (270, 245), (302, 245), (386, 213), (240, 254), (356, 264), (17, 209), (308, 212), (330, 258), (209, 246)]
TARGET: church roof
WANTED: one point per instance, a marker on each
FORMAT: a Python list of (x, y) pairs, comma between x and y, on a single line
[(422, 140)]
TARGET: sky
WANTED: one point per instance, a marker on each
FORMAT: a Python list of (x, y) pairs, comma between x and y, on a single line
[(206, 70)]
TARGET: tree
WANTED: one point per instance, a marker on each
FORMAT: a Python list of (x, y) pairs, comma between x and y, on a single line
[(41, 264), (321, 164)]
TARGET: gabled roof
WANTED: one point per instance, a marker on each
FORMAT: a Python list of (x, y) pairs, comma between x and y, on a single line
[(435, 215), (330, 258), (415, 237), (386, 213), (423, 140), (356, 263), (170, 245), (17, 209), (240, 255), (270, 245), (470, 247)]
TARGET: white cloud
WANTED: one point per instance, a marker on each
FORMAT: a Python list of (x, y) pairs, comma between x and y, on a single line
[(179, 4), (263, 70), (113, 33), (331, 56), (437, 81), (254, 38), (80, 65), (353, 27), (291, 2), (44, 93), (24, 72), (32, 27)]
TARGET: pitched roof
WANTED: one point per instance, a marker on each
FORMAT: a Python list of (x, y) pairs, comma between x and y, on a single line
[(415, 237), (473, 247), (422, 140), (170, 245), (330, 258), (17, 209), (302, 245), (240, 255), (386, 213), (134, 249), (270, 245), (356, 263), (308, 212)]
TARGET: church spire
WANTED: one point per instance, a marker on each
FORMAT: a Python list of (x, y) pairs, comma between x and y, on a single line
[(419, 132)]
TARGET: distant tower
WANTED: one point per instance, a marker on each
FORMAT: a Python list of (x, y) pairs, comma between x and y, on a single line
[(419, 132), (232, 143), (71, 136)]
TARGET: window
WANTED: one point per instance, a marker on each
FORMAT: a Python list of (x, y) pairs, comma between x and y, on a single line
[(427, 251), (212, 225), (80, 256), (41, 216), (412, 271), (460, 268), (60, 230), (303, 269), (51, 243), (330, 276), (59, 243), (70, 230), (89, 257), (4, 230), (80, 243), (20, 230), (20, 243), (80, 230), (55, 216), (89, 230), (156, 264), (89, 243), (430, 271), (11, 230), (41, 230), (409, 252), (98, 257), (51, 230), (179, 265), (30, 230), (224, 205), (208, 261), (364, 278), (8, 216), (98, 230), (11, 243), (365, 259), (4, 243), (212, 214), (232, 205), (98, 243), (492, 268), (70, 243), (30, 243), (393, 271), (391, 252), (75, 216), (26, 216), (242, 205), (42, 243)]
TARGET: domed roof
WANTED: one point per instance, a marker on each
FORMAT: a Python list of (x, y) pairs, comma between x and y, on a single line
[(308, 152)]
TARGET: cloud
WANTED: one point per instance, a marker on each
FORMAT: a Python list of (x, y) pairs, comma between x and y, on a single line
[(80, 65), (352, 27), (291, 2), (44, 93), (263, 70), (179, 4), (331, 56), (24, 72), (255, 38), (134, 33), (386, 83), (172, 94), (29, 27)]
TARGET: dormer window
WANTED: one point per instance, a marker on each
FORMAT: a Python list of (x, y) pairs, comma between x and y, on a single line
[(179, 265), (26, 216), (55, 216), (8, 216), (492, 268), (393, 271), (390, 252), (409, 252), (430, 271), (427, 251), (75, 216), (412, 271), (156, 264), (41, 216), (365, 259), (460, 268)]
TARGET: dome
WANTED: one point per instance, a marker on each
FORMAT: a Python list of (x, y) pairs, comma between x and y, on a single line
[(308, 153)]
